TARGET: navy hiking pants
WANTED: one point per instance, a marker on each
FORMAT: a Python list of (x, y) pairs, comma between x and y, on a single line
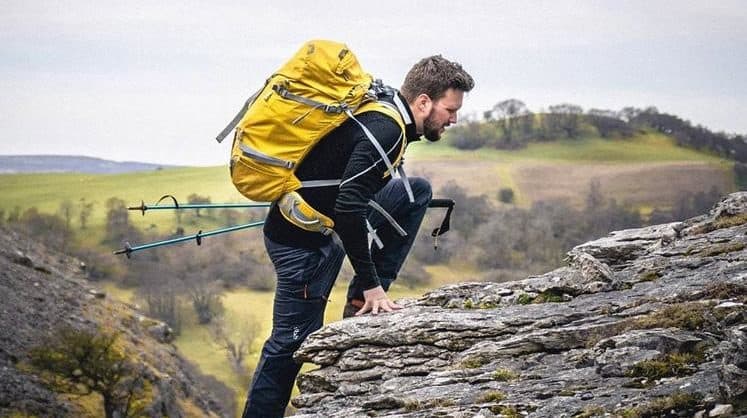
[(305, 278)]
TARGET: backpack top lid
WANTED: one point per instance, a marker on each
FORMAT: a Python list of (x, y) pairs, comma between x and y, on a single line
[(327, 66)]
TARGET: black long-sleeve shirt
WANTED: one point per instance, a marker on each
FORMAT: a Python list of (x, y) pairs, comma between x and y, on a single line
[(347, 154)]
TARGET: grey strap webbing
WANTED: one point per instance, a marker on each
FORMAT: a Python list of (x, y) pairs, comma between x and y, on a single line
[(406, 182), (396, 174), (236, 119), (402, 109), (284, 93), (388, 217), (376, 144), (374, 236), (320, 183), (264, 158)]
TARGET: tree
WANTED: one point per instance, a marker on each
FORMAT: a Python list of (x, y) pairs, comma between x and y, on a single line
[(202, 272), (525, 126), (470, 212), (118, 228), (82, 362), (51, 227), (229, 216), (608, 122), (195, 199), (66, 210), (413, 274), (162, 294), (566, 117), (84, 212), (205, 300), (497, 243), (506, 113), (14, 215), (595, 199), (628, 114), (235, 337), (471, 135), (424, 248)]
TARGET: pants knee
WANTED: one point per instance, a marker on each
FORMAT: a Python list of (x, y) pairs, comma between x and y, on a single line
[(421, 190)]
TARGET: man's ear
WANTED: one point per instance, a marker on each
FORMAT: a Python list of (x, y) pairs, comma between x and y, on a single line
[(423, 103)]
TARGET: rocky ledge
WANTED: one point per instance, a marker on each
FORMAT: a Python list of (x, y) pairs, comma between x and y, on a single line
[(644, 322)]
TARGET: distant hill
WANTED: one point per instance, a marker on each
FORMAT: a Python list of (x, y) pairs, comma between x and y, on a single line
[(71, 164)]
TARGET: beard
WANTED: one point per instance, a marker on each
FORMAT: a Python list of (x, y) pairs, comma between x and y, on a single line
[(431, 130)]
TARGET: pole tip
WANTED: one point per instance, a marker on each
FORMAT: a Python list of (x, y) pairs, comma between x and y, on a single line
[(127, 250)]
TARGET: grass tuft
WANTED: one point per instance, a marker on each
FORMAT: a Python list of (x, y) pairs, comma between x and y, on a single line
[(677, 364), (493, 396), (590, 411), (505, 375), (677, 404)]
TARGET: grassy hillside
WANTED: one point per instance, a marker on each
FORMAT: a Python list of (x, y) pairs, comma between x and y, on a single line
[(646, 170), (47, 191), (643, 147), (437, 161)]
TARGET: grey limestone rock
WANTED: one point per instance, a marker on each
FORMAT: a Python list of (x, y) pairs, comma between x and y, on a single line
[(587, 338)]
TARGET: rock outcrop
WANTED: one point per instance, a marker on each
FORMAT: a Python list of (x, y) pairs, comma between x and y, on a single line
[(42, 291), (643, 322)]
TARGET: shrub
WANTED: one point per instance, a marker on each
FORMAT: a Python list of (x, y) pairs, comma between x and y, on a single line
[(506, 195), (81, 362)]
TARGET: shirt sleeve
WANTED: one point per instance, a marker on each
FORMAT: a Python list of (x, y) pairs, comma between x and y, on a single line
[(363, 177)]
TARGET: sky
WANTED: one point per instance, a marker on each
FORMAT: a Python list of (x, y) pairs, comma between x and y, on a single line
[(156, 81)]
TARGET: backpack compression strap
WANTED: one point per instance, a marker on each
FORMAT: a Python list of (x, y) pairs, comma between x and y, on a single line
[(236, 119)]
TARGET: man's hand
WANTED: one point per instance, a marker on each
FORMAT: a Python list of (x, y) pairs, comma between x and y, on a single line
[(376, 299)]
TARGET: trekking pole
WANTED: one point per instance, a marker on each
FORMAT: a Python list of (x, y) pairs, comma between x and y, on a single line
[(127, 250), (176, 206), (446, 223)]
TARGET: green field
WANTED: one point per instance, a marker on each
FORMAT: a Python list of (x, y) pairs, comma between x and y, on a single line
[(646, 147), (47, 191)]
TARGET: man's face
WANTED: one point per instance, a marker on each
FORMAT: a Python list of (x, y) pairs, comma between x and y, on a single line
[(442, 114)]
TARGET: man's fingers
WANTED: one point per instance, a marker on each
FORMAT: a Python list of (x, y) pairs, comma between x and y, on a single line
[(388, 306), (366, 307), (375, 306)]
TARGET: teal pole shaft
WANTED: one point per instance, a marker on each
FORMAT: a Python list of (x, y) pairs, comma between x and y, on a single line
[(212, 206), (197, 237), (143, 207)]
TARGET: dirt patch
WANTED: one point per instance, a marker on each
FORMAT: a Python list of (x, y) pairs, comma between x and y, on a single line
[(641, 184), (477, 177)]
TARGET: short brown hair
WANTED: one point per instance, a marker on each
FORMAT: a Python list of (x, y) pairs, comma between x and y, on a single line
[(433, 76)]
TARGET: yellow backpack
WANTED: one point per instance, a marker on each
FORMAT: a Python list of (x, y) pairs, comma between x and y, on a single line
[(319, 88)]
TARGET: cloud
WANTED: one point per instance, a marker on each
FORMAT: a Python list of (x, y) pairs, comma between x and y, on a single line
[(159, 79)]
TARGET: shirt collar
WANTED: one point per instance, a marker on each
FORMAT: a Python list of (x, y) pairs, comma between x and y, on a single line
[(410, 128)]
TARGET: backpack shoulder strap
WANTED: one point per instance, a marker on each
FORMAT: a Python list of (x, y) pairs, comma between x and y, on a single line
[(381, 108), (397, 115)]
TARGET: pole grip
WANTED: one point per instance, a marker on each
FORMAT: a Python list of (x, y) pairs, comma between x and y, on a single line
[(446, 223)]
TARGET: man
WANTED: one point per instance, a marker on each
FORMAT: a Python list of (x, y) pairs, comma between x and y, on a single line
[(307, 263)]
